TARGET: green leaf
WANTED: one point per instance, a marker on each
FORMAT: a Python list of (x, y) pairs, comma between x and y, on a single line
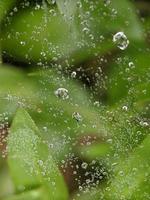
[(26, 22), (98, 150), (130, 180), (133, 81), (36, 194), (67, 8), (126, 11), (29, 159), (35, 92), (73, 40), (15, 89), (4, 7), (132, 175), (6, 185), (56, 114)]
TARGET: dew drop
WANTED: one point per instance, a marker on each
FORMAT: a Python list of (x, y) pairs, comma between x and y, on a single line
[(73, 74), (22, 43), (40, 162), (131, 65), (125, 108), (97, 103), (121, 173), (107, 2), (84, 165), (77, 116), (62, 93), (51, 1), (121, 40)]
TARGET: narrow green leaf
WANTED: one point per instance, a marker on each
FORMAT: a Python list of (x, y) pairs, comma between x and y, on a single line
[(29, 159)]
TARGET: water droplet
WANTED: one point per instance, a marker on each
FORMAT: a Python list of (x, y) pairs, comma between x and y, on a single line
[(131, 65), (77, 116), (51, 1), (73, 74), (85, 30), (107, 2), (62, 93), (22, 43), (15, 9), (121, 173), (80, 188), (40, 162), (97, 103), (45, 128), (125, 108), (109, 141), (84, 165), (53, 183), (114, 164), (144, 124), (39, 110), (88, 181), (121, 40)]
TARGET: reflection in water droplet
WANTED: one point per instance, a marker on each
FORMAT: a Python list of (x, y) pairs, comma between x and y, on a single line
[(121, 40)]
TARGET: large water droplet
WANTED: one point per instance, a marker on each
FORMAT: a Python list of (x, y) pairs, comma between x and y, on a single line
[(121, 40), (62, 93)]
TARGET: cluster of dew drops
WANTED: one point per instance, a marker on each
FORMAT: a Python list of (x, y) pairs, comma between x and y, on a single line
[(63, 94), (122, 42), (93, 174)]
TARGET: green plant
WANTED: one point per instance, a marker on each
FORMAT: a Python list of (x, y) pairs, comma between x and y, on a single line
[(90, 141)]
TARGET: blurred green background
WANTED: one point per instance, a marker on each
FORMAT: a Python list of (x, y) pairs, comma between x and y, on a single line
[(50, 154)]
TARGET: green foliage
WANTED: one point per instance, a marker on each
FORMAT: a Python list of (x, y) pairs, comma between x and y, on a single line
[(30, 162), (49, 21), (110, 92), (133, 174), (35, 92), (4, 7), (131, 177), (98, 150)]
